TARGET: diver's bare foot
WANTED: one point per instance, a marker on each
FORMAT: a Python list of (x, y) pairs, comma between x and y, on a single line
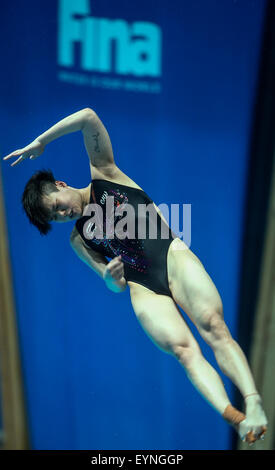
[(254, 426)]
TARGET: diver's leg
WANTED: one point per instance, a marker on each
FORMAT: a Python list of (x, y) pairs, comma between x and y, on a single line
[(162, 321), (196, 294)]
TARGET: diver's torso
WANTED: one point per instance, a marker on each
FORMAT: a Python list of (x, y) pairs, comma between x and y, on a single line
[(121, 225)]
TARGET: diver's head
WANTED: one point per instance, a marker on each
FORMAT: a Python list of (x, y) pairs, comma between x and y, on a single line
[(46, 200)]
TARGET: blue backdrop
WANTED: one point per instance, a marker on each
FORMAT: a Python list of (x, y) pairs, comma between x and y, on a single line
[(174, 83)]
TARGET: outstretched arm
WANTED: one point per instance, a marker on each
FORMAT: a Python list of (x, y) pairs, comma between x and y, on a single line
[(72, 123), (96, 138)]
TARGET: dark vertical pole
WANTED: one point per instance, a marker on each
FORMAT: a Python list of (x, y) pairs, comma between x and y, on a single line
[(14, 419), (258, 187)]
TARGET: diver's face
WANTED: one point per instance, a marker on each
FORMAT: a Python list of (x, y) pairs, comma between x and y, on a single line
[(64, 205)]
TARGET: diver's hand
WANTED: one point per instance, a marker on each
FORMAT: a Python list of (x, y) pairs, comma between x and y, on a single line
[(32, 151), (114, 275)]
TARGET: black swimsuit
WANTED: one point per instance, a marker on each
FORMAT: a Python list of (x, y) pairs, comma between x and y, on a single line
[(144, 259)]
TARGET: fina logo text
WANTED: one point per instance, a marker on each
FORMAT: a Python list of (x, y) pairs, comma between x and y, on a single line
[(136, 46)]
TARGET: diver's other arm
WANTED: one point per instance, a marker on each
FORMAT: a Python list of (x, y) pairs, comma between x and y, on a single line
[(111, 272)]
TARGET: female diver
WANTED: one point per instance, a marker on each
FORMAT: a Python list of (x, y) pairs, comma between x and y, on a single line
[(161, 274)]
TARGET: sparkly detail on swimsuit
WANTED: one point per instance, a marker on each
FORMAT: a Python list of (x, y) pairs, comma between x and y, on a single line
[(131, 250)]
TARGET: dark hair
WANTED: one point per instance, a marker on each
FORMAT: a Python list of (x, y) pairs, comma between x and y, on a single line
[(41, 183)]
